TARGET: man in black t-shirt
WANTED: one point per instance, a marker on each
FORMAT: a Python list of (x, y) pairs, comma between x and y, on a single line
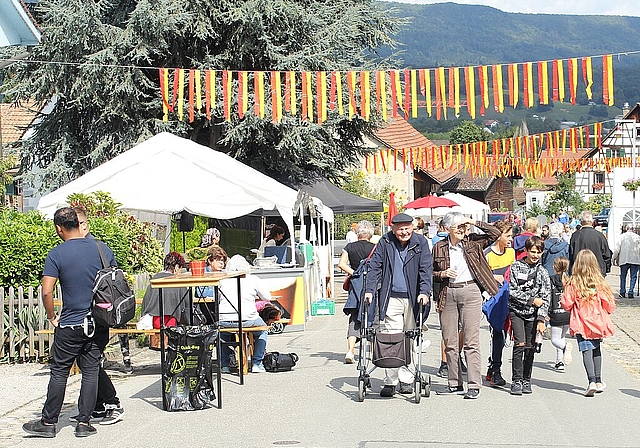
[(74, 263)]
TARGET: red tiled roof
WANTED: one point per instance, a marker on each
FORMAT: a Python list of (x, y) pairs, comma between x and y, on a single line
[(466, 182), (397, 133), (16, 120)]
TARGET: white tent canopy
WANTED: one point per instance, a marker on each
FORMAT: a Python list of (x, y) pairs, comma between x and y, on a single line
[(167, 174), (467, 206)]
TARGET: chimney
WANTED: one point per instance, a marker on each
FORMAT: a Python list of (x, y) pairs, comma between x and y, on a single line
[(625, 109)]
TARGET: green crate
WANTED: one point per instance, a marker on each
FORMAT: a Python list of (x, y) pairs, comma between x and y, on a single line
[(323, 308)]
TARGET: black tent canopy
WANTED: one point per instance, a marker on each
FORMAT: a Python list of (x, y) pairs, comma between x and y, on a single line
[(340, 201)]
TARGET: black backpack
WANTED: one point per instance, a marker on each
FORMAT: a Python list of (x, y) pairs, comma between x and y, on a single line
[(113, 304)]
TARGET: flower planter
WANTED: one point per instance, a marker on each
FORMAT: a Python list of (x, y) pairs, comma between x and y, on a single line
[(197, 268)]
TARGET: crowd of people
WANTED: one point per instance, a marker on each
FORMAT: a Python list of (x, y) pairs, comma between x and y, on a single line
[(554, 275)]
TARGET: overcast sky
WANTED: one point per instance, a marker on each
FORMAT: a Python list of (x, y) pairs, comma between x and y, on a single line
[(608, 7)]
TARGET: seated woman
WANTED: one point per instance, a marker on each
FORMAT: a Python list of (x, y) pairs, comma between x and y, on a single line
[(276, 234), (251, 289), (174, 300), (216, 261)]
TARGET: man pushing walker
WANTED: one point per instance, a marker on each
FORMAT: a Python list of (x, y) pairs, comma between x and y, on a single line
[(400, 272)]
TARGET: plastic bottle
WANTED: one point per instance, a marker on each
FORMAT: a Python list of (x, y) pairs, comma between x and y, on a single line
[(538, 342)]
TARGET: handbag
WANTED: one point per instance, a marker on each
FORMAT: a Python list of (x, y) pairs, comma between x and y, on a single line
[(391, 350), (279, 362), (347, 283)]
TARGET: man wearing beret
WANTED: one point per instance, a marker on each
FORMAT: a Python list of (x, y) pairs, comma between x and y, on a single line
[(400, 275)]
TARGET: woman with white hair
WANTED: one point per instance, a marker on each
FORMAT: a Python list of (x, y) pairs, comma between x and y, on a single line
[(251, 289), (461, 275), (350, 259), (554, 246)]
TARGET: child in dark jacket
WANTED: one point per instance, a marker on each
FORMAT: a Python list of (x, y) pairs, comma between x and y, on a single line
[(558, 316), (529, 297)]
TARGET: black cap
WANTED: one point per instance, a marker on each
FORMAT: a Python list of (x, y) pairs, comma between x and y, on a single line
[(400, 218)]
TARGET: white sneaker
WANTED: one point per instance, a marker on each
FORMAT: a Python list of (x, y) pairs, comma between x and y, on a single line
[(349, 358), (591, 390), (258, 368), (600, 387)]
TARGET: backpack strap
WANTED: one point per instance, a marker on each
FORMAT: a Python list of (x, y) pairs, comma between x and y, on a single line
[(103, 256)]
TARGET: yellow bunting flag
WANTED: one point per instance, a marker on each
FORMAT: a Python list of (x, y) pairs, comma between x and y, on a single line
[(443, 90), (382, 86), (180, 94), (530, 102), (414, 95), (560, 81), (198, 89), (367, 95), (589, 76), (243, 93), (456, 86), (339, 93), (545, 82), (607, 80), (164, 90), (485, 85), (500, 104), (227, 77), (427, 90), (309, 96), (294, 101), (351, 85)]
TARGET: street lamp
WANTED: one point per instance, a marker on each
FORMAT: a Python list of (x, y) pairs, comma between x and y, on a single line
[(628, 128)]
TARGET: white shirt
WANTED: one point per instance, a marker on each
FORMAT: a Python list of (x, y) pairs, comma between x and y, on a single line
[(351, 236), (251, 287), (457, 262)]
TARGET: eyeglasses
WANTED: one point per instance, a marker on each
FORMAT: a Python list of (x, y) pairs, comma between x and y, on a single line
[(459, 227)]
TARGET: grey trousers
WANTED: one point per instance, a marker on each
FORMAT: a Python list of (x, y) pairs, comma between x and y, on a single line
[(463, 305)]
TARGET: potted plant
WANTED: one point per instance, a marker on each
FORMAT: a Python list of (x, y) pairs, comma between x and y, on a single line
[(197, 260), (631, 184)]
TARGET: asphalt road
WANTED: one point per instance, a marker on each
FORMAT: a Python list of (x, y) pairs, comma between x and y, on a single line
[(315, 405)]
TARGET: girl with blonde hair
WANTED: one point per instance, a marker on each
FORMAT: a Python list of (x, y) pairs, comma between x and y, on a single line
[(589, 300)]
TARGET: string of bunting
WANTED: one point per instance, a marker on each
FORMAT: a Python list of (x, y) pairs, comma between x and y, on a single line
[(537, 155), (386, 93)]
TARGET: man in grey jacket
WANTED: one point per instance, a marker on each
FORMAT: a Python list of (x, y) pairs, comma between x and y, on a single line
[(400, 273), (627, 256)]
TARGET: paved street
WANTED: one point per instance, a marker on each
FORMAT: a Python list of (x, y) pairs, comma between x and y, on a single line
[(315, 405)]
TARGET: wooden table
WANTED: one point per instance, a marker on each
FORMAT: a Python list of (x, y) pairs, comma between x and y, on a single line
[(186, 280)]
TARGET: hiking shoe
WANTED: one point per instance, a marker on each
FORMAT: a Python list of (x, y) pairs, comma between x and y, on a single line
[(443, 371), (559, 366), (600, 387), (516, 387), (84, 430), (39, 428), (526, 387), (348, 358), (388, 391), (405, 388), (114, 414), (591, 390), (451, 390), (258, 368), (497, 380), (472, 394)]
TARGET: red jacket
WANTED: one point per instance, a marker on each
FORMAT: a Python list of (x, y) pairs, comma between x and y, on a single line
[(590, 319)]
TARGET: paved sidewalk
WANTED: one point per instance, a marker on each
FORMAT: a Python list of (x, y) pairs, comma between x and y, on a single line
[(315, 405)]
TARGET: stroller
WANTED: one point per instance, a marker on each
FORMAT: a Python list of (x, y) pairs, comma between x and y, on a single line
[(390, 351)]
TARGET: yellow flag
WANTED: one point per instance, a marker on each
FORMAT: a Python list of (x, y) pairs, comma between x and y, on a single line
[(261, 92), (245, 92), (500, 91), (443, 90), (414, 95), (471, 99), (198, 89), (485, 82), (367, 95), (382, 75), (610, 78), (180, 93), (427, 90), (456, 98), (589, 78), (516, 84), (309, 96), (165, 94), (545, 82), (398, 86), (529, 68), (278, 105), (560, 80)]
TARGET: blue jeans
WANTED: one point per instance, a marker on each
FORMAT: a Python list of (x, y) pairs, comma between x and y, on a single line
[(259, 340), (624, 268)]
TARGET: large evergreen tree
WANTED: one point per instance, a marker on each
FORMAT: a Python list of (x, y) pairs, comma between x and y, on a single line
[(98, 65)]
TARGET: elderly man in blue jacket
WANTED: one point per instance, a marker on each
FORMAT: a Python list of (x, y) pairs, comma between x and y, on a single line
[(400, 274)]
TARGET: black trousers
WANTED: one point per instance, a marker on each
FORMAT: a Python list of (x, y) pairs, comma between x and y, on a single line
[(523, 331), (69, 345), (106, 389)]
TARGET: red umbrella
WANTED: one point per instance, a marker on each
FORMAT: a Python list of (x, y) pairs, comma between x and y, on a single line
[(431, 201), (393, 208)]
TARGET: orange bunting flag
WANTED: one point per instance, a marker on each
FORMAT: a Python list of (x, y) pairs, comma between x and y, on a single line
[(309, 96), (469, 81), (398, 89), (339, 93), (456, 87), (607, 80), (587, 76), (499, 105), (528, 81), (407, 96), (560, 81), (366, 102), (319, 96), (438, 99), (258, 94), (305, 93), (483, 88), (554, 80), (242, 93), (227, 84), (276, 97), (450, 100), (394, 85), (332, 92), (443, 90), (198, 89), (164, 92)]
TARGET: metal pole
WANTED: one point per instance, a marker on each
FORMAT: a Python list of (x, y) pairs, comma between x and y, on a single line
[(633, 157)]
